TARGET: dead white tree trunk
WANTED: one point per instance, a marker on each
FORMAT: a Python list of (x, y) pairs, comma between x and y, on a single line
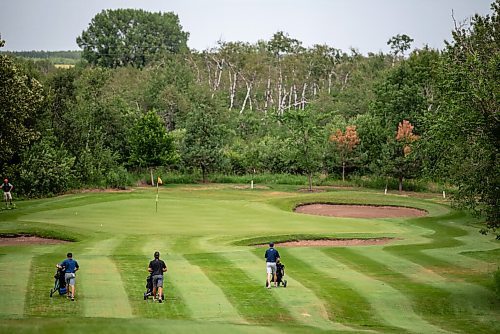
[(330, 83), (232, 88), (280, 87), (269, 96), (249, 84), (344, 83), (303, 98), (217, 75)]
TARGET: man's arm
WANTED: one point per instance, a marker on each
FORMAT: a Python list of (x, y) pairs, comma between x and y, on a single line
[(164, 267)]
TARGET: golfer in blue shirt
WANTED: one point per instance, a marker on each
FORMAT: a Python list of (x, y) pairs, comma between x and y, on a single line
[(70, 267), (271, 256)]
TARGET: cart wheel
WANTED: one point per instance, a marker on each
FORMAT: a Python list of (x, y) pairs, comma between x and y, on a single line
[(145, 297), (162, 296), (51, 292), (284, 283)]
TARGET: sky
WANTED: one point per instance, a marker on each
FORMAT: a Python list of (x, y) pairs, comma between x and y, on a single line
[(365, 25)]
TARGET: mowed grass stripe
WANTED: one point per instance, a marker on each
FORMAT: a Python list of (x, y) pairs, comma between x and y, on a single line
[(132, 263), (393, 307), (43, 268), (205, 299), (102, 290), (469, 298), (15, 271), (302, 303), (436, 301), (253, 302), (343, 304)]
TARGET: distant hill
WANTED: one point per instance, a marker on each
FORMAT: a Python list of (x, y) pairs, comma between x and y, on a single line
[(55, 57)]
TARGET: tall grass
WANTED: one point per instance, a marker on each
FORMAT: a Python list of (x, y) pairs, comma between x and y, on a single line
[(371, 182)]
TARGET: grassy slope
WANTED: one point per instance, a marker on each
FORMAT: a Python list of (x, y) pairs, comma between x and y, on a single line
[(434, 278)]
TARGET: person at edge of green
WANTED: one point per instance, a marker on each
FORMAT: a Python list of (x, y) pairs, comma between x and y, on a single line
[(7, 196)]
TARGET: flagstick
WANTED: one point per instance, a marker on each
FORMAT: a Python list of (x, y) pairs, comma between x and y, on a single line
[(157, 190)]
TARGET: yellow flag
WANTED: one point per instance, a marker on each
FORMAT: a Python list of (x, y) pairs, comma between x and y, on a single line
[(159, 180)]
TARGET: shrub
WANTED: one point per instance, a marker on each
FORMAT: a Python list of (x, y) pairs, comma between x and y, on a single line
[(45, 169), (118, 178)]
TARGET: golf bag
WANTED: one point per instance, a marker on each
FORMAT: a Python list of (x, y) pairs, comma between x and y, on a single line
[(280, 272), (59, 283)]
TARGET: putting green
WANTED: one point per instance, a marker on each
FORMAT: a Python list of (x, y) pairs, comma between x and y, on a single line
[(434, 277)]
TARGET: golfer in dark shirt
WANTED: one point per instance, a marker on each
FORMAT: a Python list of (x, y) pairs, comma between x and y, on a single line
[(271, 256), (157, 267)]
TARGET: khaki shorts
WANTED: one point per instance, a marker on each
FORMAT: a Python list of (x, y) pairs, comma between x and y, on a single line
[(7, 196), (271, 268), (70, 278)]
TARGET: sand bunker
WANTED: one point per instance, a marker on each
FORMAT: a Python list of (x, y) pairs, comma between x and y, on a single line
[(27, 240), (359, 211), (334, 242)]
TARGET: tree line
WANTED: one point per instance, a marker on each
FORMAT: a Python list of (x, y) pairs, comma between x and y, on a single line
[(140, 98)]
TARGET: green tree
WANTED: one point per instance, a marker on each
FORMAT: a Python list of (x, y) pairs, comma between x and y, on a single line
[(399, 45), (373, 137), (46, 168), (150, 145), (304, 141), (21, 98), (131, 37), (466, 127), (205, 135)]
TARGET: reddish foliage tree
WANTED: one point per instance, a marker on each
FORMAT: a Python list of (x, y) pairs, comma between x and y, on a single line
[(406, 136), (346, 143)]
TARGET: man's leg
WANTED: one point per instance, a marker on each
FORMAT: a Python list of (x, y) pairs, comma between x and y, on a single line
[(160, 289), (68, 286), (160, 294), (268, 276)]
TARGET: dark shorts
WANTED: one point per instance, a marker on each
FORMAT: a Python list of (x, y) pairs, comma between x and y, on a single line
[(157, 281)]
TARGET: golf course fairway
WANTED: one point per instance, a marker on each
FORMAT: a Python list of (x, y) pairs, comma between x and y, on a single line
[(434, 275)]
